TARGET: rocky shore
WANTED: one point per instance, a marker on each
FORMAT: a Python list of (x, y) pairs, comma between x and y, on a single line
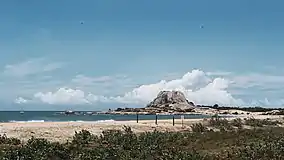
[(166, 102), (174, 102)]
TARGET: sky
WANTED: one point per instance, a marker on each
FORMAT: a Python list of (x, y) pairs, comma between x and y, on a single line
[(125, 52)]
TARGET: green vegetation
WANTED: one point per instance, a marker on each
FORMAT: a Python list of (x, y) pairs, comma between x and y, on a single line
[(198, 127), (237, 123), (220, 123), (261, 122), (232, 142)]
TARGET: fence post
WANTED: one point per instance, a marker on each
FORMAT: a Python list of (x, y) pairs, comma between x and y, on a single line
[(137, 117), (156, 119), (173, 120), (182, 118)]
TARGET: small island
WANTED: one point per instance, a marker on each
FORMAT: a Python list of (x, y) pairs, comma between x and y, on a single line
[(175, 102), (166, 102)]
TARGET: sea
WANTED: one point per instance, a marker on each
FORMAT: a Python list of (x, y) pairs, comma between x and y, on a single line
[(54, 116)]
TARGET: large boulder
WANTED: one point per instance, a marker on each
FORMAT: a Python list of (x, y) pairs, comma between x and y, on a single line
[(171, 100)]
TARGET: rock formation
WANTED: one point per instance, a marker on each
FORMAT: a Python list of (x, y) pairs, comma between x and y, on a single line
[(165, 102), (171, 100)]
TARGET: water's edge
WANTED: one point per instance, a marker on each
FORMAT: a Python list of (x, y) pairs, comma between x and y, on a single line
[(52, 116)]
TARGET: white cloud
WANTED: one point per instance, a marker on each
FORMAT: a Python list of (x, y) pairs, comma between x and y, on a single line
[(20, 100), (62, 96), (68, 96), (30, 67), (196, 85)]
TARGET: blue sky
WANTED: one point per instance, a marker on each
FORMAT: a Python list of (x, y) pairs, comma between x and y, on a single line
[(125, 44)]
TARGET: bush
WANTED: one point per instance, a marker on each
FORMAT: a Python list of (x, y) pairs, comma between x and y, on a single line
[(220, 123), (262, 150), (258, 143), (36, 149), (261, 122), (198, 127), (235, 113), (237, 123), (12, 141), (83, 137)]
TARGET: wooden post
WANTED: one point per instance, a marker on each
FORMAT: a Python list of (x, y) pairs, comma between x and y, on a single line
[(173, 120), (182, 118), (137, 117), (156, 119)]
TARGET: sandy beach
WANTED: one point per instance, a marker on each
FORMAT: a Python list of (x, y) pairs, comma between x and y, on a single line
[(62, 131)]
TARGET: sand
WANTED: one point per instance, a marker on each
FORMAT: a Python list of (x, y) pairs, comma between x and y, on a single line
[(62, 131)]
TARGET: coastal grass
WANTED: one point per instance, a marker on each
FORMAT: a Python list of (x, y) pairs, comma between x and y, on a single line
[(231, 142)]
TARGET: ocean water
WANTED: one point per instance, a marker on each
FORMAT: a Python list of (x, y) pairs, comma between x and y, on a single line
[(53, 116)]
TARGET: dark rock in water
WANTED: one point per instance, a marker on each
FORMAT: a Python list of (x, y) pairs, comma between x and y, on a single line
[(69, 112), (171, 100)]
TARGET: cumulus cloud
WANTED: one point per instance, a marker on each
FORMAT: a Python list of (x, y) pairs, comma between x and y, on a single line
[(67, 96), (20, 100), (196, 85), (30, 67), (62, 96)]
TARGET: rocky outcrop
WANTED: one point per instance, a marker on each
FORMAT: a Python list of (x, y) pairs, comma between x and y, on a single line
[(165, 102), (171, 100)]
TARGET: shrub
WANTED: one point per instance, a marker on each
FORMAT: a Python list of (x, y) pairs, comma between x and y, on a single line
[(237, 123), (83, 137), (235, 113), (257, 143), (198, 127), (220, 123), (262, 150), (260, 122), (5, 140)]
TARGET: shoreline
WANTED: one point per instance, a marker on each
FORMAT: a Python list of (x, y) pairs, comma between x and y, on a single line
[(62, 131), (259, 115)]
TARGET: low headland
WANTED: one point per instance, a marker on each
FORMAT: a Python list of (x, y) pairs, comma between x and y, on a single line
[(175, 103)]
